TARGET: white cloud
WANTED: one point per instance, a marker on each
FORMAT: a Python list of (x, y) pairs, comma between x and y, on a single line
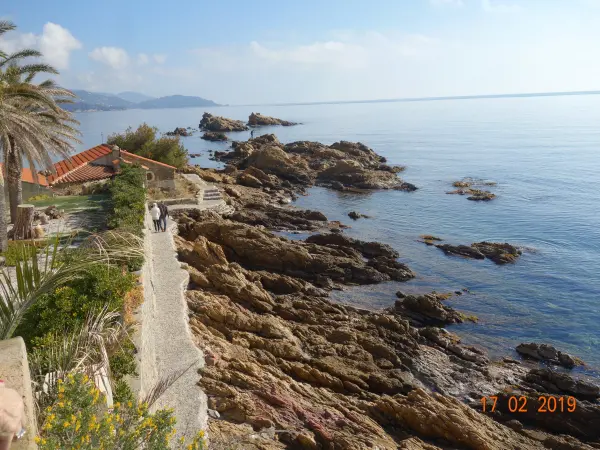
[(115, 57), (143, 59), (455, 3), (56, 44), (159, 58), (494, 6)]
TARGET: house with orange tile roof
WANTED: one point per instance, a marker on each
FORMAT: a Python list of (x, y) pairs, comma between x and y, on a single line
[(29, 186), (103, 162)]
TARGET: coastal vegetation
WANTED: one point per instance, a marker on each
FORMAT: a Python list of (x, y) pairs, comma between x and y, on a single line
[(145, 141)]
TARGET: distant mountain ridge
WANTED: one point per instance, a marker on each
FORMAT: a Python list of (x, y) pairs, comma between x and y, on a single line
[(95, 101), (134, 97)]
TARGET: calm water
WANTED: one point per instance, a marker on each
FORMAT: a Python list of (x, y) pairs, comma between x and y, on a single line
[(542, 152)]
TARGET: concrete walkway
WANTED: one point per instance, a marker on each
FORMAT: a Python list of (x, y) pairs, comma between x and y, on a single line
[(166, 341)]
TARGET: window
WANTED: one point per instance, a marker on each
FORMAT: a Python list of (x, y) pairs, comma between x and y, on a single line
[(149, 176)]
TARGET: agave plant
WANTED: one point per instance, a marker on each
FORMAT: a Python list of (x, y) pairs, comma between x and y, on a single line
[(57, 264)]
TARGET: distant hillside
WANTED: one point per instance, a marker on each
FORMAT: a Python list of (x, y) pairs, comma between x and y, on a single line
[(95, 101), (176, 101), (90, 101), (134, 97)]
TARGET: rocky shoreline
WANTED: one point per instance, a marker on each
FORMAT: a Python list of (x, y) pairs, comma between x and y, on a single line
[(289, 368)]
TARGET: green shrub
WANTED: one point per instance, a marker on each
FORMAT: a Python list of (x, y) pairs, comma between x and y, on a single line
[(79, 419), (122, 392), (144, 142), (128, 200), (67, 307), (122, 361)]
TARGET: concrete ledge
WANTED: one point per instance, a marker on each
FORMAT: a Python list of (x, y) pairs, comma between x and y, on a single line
[(14, 370)]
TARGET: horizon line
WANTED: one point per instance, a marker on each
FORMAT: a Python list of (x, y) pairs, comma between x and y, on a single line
[(425, 99)]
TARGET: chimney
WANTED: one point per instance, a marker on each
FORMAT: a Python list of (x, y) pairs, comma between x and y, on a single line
[(116, 157)]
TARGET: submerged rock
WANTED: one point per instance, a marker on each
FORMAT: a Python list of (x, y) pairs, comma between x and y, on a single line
[(214, 136), (548, 353), (217, 123), (257, 119), (355, 215)]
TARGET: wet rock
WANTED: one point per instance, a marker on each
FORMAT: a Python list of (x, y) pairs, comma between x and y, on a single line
[(548, 353), (355, 215), (257, 119), (179, 132), (429, 239), (480, 196), (217, 123), (367, 249), (500, 253), (214, 136), (425, 310), (550, 381), (407, 187), (583, 422), (461, 250)]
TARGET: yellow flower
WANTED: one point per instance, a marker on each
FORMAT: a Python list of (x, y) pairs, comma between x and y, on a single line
[(129, 404), (37, 440), (201, 433), (77, 426), (66, 424), (117, 405), (61, 404)]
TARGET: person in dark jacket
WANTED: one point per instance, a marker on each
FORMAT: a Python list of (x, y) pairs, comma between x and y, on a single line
[(164, 213)]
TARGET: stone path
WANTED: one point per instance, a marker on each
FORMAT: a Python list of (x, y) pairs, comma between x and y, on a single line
[(166, 341)]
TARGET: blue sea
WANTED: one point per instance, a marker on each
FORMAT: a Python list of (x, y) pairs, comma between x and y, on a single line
[(543, 153)]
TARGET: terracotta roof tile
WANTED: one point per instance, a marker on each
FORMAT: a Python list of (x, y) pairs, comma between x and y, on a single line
[(27, 176), (87, 172), (64, 167)]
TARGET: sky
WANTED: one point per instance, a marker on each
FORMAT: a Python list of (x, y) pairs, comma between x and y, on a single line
[(265, 51)]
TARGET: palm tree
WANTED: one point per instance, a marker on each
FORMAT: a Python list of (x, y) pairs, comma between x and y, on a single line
[(49, 129)]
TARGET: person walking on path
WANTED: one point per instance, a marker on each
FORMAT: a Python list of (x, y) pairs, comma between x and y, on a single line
[(12, 416), (155, 213), (164, 213)]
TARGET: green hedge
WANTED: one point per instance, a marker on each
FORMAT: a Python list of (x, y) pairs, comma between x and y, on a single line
[(128, 200)]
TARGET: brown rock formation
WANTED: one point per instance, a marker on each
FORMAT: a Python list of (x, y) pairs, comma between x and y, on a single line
[(343, 165), (500, 253), (179, 132), (287, 368), (217, 123), (214, 136), (547, 353), (257, 119)]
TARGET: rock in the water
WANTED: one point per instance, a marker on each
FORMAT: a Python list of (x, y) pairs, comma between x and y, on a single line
[(548, 353), (461, 250), (214, 136), (500, 253), (425, 310), (408, 187), (217, 123), (481, 196), (355, 215), (179, 132), (257, 119)]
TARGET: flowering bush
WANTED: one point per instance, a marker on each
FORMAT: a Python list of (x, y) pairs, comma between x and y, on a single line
[(79, 419)]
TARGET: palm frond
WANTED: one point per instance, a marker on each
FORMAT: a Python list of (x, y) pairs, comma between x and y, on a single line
[(22, 54)]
